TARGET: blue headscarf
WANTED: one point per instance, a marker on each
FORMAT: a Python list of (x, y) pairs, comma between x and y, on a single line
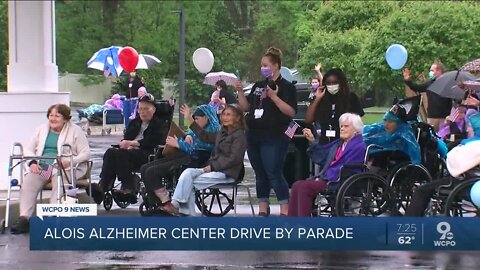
[(402, 139), (474, 122), (213, 126)]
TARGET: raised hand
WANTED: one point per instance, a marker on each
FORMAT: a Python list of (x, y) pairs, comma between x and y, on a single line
[(320, 92), (185, 110), (239, 86), (406, 74)]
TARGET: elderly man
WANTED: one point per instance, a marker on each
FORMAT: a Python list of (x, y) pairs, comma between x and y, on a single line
[(143, 134), (438, 107)]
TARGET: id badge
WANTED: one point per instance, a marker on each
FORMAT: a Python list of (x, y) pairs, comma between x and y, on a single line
[(330, 133), (258, 113), (130, 85)]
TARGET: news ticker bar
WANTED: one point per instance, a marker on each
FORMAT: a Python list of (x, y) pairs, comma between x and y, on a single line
[(242, 233)]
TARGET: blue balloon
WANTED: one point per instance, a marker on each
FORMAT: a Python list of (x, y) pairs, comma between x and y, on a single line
[(475, 194), (396, 56)]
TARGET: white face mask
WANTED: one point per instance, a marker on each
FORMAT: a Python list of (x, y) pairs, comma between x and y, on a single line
[(333, 89)]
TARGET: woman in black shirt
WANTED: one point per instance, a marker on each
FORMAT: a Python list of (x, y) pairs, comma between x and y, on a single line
[(331, 100), (271, 105)]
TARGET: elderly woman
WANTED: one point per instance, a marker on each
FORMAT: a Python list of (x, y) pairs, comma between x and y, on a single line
[(224, 166), (47, 141), (395, 134), (142, 91), (96, 110), (141, 137), (461, 160), (349, 148), (454, 130), (193, 151)]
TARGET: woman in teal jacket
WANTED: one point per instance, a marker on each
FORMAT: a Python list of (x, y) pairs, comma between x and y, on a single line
[(193, 153)]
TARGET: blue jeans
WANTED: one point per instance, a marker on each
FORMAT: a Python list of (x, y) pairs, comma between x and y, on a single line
[(128, 107), (191, 179), (267, 156)]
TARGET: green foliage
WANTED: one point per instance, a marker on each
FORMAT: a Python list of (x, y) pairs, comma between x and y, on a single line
[(355, 36), (352, 35)]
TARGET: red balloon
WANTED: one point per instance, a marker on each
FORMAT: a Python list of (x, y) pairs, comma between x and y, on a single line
[(128, 58)]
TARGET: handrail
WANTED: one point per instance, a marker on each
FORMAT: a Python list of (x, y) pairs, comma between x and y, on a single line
[(365, 159)]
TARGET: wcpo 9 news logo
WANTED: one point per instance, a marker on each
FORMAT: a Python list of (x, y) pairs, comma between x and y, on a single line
[(446, 236)]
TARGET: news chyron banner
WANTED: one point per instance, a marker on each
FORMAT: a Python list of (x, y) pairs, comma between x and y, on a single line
[(253, 233)]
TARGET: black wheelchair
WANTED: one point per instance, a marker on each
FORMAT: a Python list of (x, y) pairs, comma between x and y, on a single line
[(212, 201), (453, 199), (164, 112), (360, 191), (406, 176), (386, 181), (150, 203)]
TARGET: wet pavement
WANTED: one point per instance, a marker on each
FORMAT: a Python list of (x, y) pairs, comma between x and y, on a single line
[(15, 253)]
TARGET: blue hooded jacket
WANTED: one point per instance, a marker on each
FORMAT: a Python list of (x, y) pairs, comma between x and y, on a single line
[(402, 139), (212, 126)]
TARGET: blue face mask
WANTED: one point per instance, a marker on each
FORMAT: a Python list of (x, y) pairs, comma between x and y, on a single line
[(431, 75)]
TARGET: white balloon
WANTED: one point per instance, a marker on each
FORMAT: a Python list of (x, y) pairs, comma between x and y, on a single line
[(203, 60)]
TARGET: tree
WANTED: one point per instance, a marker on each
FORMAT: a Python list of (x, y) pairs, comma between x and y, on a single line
[(429, 31), (355, 36), (342, 54)]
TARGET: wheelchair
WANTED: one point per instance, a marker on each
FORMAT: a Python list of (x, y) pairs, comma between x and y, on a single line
[(212, 201), (406, 176), (360, 191), (150, 203), (453, 199), (164, 111)]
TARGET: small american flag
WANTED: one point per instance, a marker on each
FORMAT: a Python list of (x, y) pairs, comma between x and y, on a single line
[(292, 127), (46, 173)]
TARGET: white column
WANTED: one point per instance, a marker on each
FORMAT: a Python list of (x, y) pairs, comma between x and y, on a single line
[(32, 64), (32, 75)]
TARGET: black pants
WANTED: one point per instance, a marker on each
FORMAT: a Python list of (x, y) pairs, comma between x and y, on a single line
[(121, 163), (422, 195), (153, 172)]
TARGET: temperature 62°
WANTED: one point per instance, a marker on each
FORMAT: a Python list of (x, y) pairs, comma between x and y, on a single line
[(406, 240)]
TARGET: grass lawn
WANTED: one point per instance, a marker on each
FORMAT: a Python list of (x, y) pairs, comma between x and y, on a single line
[(370, 118), (373, 115)]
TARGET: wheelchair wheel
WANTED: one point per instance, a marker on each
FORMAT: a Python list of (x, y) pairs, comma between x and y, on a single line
[(459, 204), (323, 206), (364, 194), (404, 180), (217, 203), (108, 201), (120, 203)]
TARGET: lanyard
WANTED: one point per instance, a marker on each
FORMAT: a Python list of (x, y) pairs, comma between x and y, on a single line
[(332, 118)]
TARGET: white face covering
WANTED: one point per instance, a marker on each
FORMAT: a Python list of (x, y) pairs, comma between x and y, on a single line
[(333, 89)]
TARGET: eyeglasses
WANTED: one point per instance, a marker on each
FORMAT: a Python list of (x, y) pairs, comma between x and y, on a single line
[(147, 97)]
